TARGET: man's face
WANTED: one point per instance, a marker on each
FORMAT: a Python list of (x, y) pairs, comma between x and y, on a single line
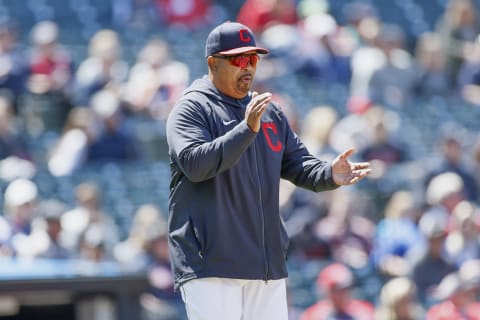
[(340, 298), (233, 75)]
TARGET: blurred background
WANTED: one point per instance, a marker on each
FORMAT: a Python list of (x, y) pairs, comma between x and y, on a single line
[(85, 90)]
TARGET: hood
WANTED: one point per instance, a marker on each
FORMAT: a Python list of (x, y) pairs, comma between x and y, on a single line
[(206, 87)]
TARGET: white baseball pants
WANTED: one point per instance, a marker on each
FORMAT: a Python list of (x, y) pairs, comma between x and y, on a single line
[(235, 299)]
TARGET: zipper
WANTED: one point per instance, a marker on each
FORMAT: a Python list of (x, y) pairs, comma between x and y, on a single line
[(262, 215)]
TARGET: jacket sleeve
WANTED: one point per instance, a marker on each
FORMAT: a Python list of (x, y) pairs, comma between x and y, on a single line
[(194, 148), (303, 169)]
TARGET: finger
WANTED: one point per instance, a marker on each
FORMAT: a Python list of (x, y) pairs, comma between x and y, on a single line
[(266, 101), (254, 94), (357, 178), (260, 107), (360, 165), (361, 173), (261, 110), (353, 180), (262, 98), (264, 95), (259, 100), (347, 153)]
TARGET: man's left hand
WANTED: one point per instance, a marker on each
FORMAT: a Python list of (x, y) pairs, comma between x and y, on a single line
[(346, 172)]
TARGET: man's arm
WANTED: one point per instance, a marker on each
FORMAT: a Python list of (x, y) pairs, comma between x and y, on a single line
[(305, 170), (196, 151), (202, 156)]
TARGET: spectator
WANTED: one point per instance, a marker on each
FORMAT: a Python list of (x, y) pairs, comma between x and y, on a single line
[(89, 215), (468, 77), (161, 302), (50, 211), (134, 15), (430, 269), (20, 197), (283, 41), (103, 68), (316, 130), (432, 78), (14, 70), (367, 57), (399, 301), (385, 147), (457, 300), (354, 14), (146, 249), (47, 102), (49, 58), (114, 141), (463, 242), (476, 161), (156, 81), (314, 55), (451, 160), (397, 239), (188, 14), (336, 282), (458, 25), (93, 246), (346, 230), (5, 248), (301, 213), (13, 142), (445, 191), (469, 273), (324, 54), (260, 14), (20, 208), (69, 152), (131, 252), (352, 129), (393, 83), (309, 7)]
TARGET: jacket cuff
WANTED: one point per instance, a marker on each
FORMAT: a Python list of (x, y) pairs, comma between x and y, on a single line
[(329, 182)]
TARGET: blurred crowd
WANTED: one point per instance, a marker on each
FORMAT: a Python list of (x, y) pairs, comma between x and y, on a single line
[(403, 244)]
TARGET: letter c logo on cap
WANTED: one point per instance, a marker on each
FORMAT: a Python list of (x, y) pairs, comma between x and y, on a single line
[(244, 35)]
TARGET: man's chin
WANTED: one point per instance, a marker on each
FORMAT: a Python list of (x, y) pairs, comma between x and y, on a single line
[(244, 89)]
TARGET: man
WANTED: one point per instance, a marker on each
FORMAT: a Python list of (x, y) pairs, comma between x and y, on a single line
[(456, 299), (228, 148), (336, 282), (432, 265)]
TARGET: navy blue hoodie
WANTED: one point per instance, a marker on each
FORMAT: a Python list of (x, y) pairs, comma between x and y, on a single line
[(224, 216)]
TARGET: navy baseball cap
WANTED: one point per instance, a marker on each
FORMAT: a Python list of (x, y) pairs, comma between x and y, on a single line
[(231, 38)]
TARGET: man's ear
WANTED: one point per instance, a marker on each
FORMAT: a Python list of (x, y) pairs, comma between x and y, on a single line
[(212, 63)]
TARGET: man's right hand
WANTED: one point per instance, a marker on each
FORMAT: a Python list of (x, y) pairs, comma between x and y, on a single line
[(255, 110)]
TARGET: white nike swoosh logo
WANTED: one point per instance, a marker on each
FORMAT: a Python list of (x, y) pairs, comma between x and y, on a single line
[(226, 123)]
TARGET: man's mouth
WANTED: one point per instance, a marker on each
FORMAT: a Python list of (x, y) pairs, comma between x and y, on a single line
[(246, 78)]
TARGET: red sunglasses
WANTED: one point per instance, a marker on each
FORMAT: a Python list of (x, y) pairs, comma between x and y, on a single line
[(241, 60)]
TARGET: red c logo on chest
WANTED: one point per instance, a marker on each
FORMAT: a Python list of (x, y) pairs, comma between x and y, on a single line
[(266, 126)]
